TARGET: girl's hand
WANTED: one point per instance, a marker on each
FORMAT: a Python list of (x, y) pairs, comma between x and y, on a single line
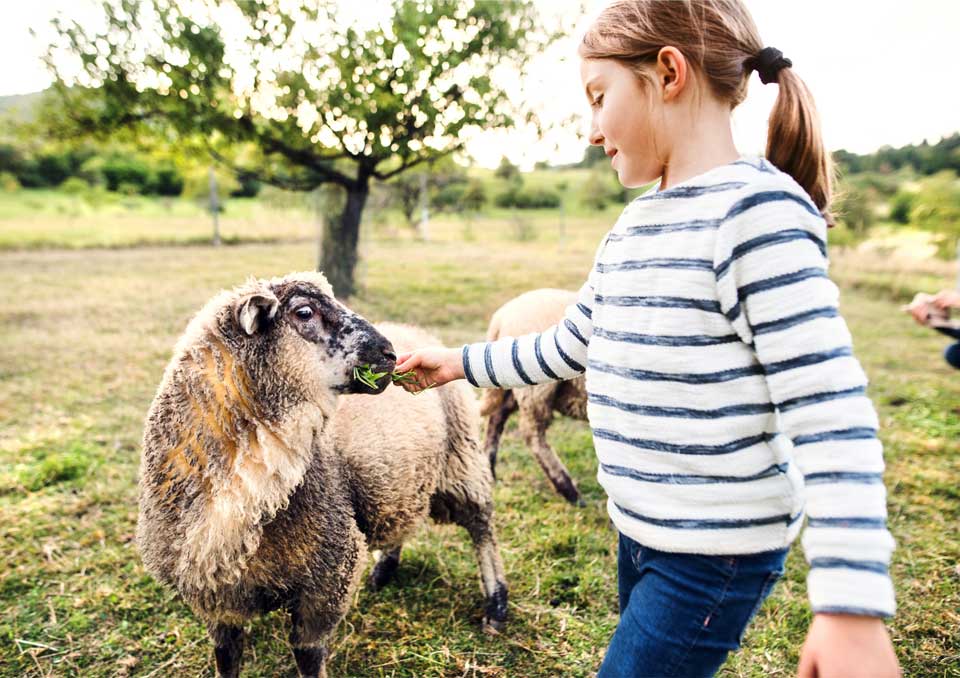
[(433, 367), (919, 308), (847, 646), (946, 300)]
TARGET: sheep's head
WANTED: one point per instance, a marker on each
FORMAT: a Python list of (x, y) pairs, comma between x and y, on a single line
[(298, 342)]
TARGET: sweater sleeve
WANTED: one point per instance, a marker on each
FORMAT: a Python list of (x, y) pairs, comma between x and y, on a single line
[(555, 354), (771, 270)]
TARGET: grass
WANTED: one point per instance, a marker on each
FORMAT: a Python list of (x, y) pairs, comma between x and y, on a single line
[(84, 338)]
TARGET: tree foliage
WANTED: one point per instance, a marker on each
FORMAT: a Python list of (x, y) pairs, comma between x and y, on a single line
[(291, 95), (925, 158)]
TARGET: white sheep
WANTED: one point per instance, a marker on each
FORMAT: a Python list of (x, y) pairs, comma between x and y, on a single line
[(534, 311)]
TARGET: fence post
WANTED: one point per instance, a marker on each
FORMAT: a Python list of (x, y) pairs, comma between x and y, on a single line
[(214, 207), (424, 207)]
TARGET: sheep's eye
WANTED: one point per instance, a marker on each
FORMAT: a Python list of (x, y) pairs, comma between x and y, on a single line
[(304, 313)]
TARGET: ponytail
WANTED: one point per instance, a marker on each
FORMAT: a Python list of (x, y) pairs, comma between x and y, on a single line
[(794, 142)]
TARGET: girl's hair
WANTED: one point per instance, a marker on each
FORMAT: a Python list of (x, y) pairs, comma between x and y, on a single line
[(718, 38)]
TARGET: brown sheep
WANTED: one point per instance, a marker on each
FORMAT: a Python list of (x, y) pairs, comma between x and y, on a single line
[(534, 311), (263, 485)]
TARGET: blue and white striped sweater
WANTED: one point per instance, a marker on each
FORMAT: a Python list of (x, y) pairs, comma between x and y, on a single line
[(723, 393)]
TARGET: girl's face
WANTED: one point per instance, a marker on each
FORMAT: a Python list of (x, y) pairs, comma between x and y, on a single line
[(625, 120)]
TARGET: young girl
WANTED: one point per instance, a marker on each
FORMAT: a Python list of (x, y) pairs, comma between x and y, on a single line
[(724, 398)]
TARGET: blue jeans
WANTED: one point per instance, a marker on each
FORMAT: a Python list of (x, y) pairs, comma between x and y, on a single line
[(680, 613), (952, 355)]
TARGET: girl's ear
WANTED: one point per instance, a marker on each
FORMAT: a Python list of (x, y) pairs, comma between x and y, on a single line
[(672, 71)]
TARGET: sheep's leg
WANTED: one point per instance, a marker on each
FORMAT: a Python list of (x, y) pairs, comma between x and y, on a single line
[(533, 427), (385, 568), (477, 520), (308, 637), (492, 578), (227, 649), (495, 424)]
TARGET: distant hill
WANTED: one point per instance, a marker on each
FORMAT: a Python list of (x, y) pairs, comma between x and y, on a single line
[(19, 106)]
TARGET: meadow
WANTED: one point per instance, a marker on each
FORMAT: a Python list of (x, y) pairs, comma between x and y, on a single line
[(93, 302)]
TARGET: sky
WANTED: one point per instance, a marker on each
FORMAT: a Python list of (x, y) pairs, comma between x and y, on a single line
[(880, 72)]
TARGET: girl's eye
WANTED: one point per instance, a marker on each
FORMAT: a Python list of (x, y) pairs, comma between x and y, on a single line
[(598, 100), (304, 313)]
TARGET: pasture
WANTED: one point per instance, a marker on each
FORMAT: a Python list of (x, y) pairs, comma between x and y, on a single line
[(85, 334)]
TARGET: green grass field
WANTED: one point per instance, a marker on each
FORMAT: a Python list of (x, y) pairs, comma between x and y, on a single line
[(84, 337)]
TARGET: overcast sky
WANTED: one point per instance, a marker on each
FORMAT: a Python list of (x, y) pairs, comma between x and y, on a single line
[(880, 71)]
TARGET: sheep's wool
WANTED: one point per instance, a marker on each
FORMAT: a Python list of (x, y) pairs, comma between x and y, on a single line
[(724, 397)]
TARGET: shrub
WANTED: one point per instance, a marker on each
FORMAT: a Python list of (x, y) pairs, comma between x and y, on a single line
[(528, 198), (449, 197), (166, 181), (74, 186), (900, 206), (130, 171), (854, 209), (600, 189), (8, 182), (249, 188)]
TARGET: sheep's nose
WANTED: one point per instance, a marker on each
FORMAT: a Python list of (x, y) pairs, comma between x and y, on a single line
[(389, 354)]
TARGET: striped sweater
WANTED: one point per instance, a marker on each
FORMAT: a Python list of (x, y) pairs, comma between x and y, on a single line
[(724, 398)]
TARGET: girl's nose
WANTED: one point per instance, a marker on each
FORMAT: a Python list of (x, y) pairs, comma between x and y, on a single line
[(595, 138)]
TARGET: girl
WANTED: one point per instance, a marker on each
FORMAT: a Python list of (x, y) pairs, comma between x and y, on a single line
[(724, 398)]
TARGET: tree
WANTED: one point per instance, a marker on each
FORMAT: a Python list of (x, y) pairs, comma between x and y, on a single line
[(292, 97), (507, 170)]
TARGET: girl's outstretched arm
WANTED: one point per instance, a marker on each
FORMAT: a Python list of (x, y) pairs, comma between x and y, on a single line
[(557, 353)]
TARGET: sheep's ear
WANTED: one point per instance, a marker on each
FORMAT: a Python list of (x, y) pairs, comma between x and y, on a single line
[(253, 310)]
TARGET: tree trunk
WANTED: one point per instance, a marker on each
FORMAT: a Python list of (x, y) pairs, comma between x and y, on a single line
[(338, 257)]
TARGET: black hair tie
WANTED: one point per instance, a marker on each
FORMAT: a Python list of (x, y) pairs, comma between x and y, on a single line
[(768, 63)]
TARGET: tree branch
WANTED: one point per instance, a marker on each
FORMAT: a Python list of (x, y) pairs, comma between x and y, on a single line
[(286, 184), (298, 156), (383, 176)]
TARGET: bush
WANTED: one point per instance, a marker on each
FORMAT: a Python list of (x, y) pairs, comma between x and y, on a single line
[(900, 206), (45, 171), (601, 188), (74, 186), (166, 181), (11, 159), (8, 182), (474, 196), (450, 197), (507, 170), (119, 170), (528, 198), (249, 188), (129, 189), (91, 171), (854, 209)]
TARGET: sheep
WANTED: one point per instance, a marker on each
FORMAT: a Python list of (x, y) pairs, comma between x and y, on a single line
[(534, 311), (268, 473)]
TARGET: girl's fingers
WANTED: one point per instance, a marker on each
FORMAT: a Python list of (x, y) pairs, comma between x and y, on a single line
[(405, 362)]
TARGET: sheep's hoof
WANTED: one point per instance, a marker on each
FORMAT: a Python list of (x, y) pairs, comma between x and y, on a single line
[(568, 491), (493, 627), (495, 619), (384, 570)]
